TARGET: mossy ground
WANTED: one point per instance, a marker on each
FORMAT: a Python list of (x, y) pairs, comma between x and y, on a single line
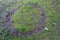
[(26, 18), (52, 17)]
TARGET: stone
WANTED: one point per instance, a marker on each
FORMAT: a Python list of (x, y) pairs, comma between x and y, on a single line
[(19, 34), (54, 24), (46, 28)]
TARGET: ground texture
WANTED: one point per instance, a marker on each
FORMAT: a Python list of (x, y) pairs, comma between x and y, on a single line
[(29, 20)]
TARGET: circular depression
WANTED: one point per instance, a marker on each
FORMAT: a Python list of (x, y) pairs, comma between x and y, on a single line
[(33, 17), (26, 18)]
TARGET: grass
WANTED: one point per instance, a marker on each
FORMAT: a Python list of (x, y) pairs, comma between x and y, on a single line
[(52, 17), (26, 19)]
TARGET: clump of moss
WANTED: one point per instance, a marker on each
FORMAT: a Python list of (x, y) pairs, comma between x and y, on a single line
[(26, 18)]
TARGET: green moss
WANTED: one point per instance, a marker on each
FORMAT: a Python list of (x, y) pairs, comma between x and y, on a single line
[(26, 18)]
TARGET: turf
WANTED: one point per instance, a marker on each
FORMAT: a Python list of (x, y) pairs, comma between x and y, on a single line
[(51, 7), (26, 18)]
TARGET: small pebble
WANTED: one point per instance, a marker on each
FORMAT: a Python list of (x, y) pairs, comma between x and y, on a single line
[(19, 34), (54, 23), (46, 28)]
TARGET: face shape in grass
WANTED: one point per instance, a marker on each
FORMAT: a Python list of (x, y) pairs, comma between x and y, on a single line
[(26, 18)]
